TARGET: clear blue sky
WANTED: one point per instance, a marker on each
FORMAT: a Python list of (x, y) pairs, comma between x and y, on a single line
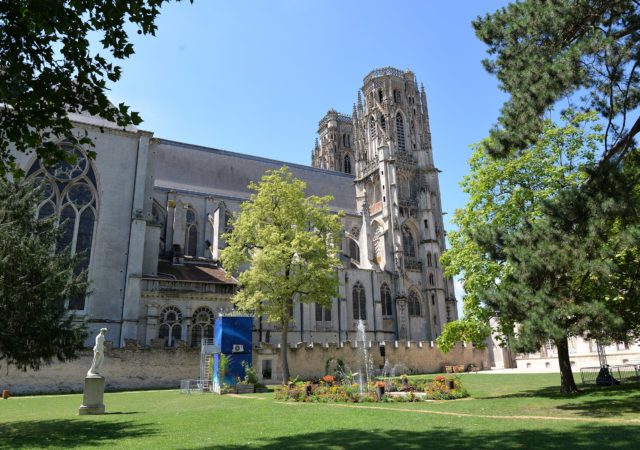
[(256, 76)]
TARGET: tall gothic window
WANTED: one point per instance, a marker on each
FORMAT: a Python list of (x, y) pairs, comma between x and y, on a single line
[(385, 297), (383, 123), (347, 164), (359, 302), (431, 280), (201, 325), (400, 132), (70, 192), (373, 132), (191, 234), (170, 325), (429, 260), (414, 304), (408, 242), (323, 314)]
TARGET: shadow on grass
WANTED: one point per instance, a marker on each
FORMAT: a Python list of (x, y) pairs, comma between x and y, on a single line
[(553, 392), (623, 437), (68, 433)]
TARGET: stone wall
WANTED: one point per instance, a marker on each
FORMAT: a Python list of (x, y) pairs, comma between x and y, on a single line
[(308, 360), (137, 368), (123, 369)]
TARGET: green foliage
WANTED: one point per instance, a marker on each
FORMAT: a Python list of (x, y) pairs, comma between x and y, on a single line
[(223, 367), (34, 284), (509, 193), (49, 68), (250, 375), (289, 242), (542, 52)]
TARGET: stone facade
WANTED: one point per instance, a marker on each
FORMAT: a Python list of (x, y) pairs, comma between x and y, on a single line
[(159, 367), (151, 213)]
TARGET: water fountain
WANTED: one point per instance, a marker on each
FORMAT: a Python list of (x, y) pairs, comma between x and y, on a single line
[(364, 359)]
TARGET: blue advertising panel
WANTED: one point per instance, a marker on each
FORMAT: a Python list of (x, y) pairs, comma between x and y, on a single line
[(233, 336)]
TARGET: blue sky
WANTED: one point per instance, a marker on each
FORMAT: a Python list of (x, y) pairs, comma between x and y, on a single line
[(256, 76)]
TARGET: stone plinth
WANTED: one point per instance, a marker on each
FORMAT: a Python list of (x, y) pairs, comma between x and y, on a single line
[(93, 396)]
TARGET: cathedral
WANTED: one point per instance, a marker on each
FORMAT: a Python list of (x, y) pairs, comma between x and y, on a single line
[(150, 214)]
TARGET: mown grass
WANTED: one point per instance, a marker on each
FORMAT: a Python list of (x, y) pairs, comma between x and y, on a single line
[(596, 418)]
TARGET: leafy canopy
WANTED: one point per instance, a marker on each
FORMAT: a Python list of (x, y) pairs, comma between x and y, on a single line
[(34, 283), (289, 242), (508, 194), (49, 68), (545, 51)]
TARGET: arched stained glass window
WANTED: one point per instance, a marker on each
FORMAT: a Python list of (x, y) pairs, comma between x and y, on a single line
[(201, 325), (191, 234), (170, 325), (359, 302), (69, 191), (400, 132), (385, 297)]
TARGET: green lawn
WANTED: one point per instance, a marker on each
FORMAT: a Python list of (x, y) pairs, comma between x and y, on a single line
[(505, 411)]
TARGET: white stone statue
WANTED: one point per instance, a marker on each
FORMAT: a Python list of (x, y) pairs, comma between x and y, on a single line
[(98, 353)]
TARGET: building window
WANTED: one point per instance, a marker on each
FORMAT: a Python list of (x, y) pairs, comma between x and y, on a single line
[(170, 325), (429, 261), (400, 132), (408, 242), (383, 123), (267, 369), (201, 326), (414, 304), (396, 96), (347, 164), (323, 314), (433, 299), (385, 297), (359, 302), (380, 95), (191, 234), (431, 280), (373, 132), (70, 192)]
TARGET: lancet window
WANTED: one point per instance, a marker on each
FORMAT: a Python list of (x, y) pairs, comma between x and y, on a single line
[(359, 302), (385, 297), (70, 192), (191, 234), (414, 304), (400, 132), (201, 325)]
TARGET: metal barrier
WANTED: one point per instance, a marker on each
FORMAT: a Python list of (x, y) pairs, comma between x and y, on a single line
[(595, 375), (196, 386)]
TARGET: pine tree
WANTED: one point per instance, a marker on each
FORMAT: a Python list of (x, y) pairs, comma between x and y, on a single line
[(290, 243), (552, 255), (35, 282)]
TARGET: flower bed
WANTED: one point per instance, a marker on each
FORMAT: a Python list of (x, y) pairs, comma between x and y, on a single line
[(402, 390)]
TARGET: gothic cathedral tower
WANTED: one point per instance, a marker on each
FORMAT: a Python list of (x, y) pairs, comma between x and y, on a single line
[(398, 193)]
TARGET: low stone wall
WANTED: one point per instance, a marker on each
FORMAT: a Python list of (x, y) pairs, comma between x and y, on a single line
[(308, 360), (123, 369), (138, 368)]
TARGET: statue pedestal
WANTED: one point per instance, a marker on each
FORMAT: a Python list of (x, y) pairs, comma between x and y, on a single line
[(93, 396)]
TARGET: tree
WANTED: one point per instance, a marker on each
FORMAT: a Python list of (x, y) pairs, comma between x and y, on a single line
[(35, 282), (544, 51), (290, 242), (551, 257), (49, 69)]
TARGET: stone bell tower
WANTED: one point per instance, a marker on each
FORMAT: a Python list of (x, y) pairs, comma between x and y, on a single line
[(334, 149), (397, 185)]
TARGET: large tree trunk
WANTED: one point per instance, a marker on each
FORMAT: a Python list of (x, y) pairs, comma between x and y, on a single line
[(284, 350), (567, 383)]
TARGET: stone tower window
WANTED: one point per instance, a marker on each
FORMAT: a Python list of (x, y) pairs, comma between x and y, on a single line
[(408, 242), (373, 132), (359, 302), (191, 234), (414, 305), (400, 132), (385, 297), (380, 95), (383, 123), (69, 191), (347, 164)]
